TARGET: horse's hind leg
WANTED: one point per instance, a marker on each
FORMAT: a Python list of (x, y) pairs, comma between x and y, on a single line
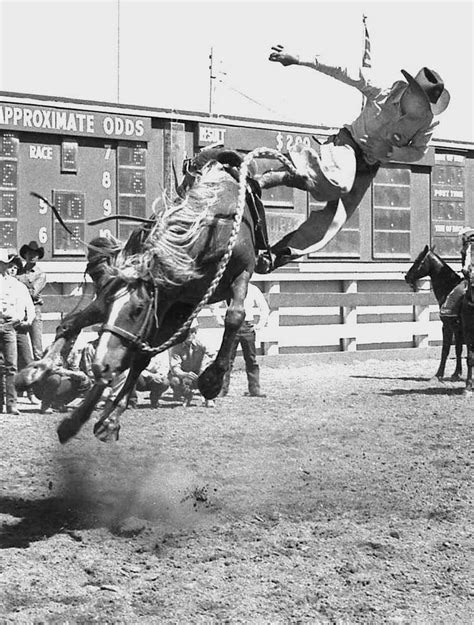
[(458, 339), (469, 361), (447, 337), (211, 379)]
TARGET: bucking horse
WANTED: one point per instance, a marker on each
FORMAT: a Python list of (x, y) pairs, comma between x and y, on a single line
[(197, 250)]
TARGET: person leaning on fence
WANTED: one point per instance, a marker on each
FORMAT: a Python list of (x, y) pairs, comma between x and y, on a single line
[(16, 308), (254, 303), (451, 306), (187, 360), (35, 280), (395, 124)]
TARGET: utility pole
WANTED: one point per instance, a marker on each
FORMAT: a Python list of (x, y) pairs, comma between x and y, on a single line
[(211, 82), (118, 51)]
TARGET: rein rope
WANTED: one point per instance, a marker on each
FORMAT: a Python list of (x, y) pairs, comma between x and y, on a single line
[(244, 168)]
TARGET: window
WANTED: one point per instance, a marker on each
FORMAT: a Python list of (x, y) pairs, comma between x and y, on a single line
[(131, 185), (346, 243), (391, 212), (8, 189), (448, 214), (71, 207)]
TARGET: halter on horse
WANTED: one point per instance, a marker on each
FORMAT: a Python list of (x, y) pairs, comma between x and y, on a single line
[(443, 280)]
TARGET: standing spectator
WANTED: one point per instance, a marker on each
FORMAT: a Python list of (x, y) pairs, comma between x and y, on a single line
[(187, 360), (14, 302), (155, 378), (25, 356), (254, 302), (35, 280), (23, 343)]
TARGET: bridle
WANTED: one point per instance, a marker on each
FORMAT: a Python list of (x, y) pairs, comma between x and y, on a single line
[(135, 340), (417, 271)]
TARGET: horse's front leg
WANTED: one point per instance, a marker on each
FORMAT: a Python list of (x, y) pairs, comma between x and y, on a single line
[(447, 338), (211, 379), (107, 427), (71, 425)]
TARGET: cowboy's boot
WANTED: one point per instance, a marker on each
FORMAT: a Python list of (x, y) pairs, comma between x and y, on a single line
[(253, 379)]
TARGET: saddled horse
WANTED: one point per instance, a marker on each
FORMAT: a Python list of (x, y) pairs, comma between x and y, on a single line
[(197, 251), (443, 280)]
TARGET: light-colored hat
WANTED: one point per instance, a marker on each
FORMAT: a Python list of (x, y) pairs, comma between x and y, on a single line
[(466, 232), (4, 256)]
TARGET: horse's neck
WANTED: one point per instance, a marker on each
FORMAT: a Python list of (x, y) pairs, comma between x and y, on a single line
[(443, 279)]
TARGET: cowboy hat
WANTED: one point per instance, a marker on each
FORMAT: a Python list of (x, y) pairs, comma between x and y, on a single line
[(428, 85), (13, 259), (4, 256), (34, 247)]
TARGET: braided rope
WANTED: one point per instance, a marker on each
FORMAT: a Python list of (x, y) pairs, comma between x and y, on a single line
[(244, 168)]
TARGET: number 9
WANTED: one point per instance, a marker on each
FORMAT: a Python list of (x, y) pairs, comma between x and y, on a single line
[(107, 205)]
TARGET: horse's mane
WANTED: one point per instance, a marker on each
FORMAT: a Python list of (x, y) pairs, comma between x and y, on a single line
[(167, 257)]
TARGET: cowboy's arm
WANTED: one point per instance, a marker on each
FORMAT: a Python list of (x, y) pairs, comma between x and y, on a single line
[(176, 361), (417, 147), (263, 309), (354, 78), (30, 312), (26, 308), (38, 282)]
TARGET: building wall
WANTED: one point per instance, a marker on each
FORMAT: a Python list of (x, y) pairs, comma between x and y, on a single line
[(94, 161)]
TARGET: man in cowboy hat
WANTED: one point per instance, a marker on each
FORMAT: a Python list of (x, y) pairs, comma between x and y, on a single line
[(35, 281), (15, 305), (395, 124), (451, 307)]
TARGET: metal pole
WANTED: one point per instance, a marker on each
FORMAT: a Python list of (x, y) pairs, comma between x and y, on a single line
[(211, 81), (118, 51)]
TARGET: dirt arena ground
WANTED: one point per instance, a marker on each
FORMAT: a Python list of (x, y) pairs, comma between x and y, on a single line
[(343, 497)]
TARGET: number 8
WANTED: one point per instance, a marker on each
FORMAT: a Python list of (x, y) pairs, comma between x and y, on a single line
[(106, 180)]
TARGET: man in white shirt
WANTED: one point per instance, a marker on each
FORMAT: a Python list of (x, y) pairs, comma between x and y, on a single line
[(395, 124), (16, 307), (254, 303)]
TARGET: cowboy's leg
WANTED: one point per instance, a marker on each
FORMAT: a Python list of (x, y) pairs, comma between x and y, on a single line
[(451, 307), (51, 385), (282, 177), (322, 226), (36, 334), (249, 351), (10, 356)]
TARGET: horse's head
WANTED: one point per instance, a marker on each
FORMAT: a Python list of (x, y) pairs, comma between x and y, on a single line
[(131, 320), (420, 268)]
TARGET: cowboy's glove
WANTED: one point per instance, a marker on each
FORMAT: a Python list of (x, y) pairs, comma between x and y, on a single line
[(279, 55)]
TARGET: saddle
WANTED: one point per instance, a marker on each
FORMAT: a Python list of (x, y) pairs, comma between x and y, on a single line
[(231, 161)]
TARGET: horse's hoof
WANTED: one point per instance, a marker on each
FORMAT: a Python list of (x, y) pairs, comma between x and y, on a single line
[(455, 378), (107, 430), (210, 384), (67, 429)]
